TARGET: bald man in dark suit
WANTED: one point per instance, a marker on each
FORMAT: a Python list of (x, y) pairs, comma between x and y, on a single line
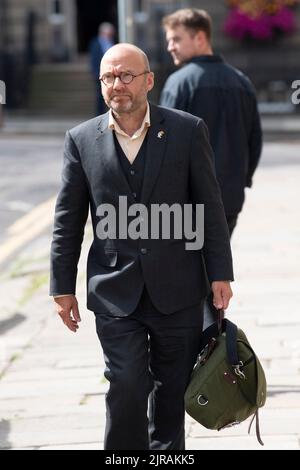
[(146, 292)]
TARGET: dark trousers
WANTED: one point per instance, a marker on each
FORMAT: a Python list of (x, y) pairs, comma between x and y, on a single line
[(149, 358)]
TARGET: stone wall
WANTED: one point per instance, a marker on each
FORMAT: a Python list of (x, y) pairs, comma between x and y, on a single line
[(48, 28), (274, 62)]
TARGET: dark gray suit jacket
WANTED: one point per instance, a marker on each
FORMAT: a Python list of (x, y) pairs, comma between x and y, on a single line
[(179, 169)]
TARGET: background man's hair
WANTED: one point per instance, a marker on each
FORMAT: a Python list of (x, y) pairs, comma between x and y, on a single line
[(191, 18)]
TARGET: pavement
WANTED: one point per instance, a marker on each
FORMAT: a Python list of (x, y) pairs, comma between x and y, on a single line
[(275, 126), (51, 381)]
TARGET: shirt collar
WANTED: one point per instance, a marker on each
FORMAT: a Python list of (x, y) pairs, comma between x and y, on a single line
[(112, 124), (208, 58)]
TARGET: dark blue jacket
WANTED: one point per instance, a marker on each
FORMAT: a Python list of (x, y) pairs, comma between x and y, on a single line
[(96, 54), (98, 46), (225, 98)]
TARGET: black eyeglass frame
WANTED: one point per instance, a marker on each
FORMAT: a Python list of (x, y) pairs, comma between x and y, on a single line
[(120, 77)]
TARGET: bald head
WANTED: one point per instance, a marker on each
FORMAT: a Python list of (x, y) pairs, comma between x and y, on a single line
[(122, 96), (125, 53)]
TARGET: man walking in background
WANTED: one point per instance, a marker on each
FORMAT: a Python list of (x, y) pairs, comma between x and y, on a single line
[(98, 46), (222, 96)]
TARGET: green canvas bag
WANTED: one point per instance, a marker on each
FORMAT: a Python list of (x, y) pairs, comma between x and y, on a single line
[(228, 383)]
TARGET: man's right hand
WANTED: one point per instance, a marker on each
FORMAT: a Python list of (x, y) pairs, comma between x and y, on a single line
[(67, 309)]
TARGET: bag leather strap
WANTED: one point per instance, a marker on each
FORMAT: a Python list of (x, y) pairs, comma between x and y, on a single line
[(231, 342), (257, 430)]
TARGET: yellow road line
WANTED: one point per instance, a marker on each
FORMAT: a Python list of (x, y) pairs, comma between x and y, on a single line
[(27, 228)]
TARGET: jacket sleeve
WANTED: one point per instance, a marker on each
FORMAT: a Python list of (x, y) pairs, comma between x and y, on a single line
[(70, 218), (255, 144), (205, 190)]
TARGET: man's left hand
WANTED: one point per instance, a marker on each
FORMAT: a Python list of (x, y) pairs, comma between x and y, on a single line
[(222, 294)]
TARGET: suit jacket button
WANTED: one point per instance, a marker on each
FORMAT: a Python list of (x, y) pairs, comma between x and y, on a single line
[(134, 195), (144, 251)]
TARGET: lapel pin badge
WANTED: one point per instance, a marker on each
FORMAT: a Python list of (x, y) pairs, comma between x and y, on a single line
[(160, 134)]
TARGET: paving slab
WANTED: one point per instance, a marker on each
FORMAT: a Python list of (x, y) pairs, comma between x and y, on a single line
[(244, 443), (52, 392)]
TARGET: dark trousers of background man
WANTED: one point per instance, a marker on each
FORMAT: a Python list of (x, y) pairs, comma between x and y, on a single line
[(149, 357)]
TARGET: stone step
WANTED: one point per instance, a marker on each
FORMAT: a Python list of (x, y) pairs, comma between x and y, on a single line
[(62, 89)]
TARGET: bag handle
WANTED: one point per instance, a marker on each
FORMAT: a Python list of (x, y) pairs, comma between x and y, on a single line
[(220, 326), (225, 325), (220, 319), (213, 330)]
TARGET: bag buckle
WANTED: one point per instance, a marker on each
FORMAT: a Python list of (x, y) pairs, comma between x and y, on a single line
[(202, 400), (238, 370)]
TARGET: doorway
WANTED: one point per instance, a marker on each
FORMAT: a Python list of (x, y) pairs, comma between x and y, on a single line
[(89, 15)]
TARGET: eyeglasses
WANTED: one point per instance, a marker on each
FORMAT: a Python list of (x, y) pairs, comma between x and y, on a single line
[(126, 77)]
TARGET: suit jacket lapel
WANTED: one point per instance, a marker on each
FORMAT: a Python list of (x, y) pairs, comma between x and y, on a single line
[(106, 148), (156, 146)]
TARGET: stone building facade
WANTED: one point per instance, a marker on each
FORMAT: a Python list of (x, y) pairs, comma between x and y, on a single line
[(46, 41)]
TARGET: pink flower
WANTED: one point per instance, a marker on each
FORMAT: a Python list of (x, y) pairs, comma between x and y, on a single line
[(239, 25), (284, 20)]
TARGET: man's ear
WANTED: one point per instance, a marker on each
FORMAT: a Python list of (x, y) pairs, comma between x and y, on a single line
[(201, 38), (150, 80)]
